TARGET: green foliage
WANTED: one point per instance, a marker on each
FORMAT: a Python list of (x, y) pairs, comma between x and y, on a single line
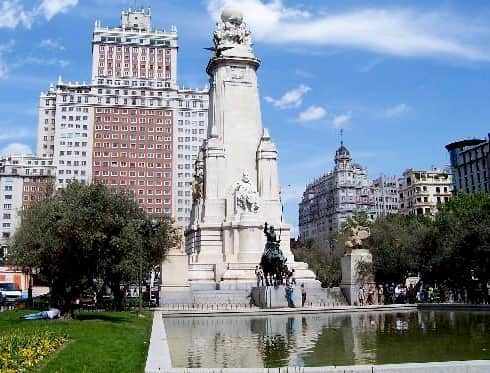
[(86, 236), (326, 267), (462, 253), (453, 248), (397, 243), (20, 351)]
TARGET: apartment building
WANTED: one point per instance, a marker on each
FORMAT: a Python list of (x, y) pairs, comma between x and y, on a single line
[(24, 180), (386, 197), (470, 164), (332, 198), (422, 191)]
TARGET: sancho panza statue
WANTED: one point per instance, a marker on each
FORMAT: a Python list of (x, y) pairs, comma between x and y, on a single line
[(273, 261)]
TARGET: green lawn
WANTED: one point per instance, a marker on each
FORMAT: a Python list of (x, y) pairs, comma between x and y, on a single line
[(98, 341)]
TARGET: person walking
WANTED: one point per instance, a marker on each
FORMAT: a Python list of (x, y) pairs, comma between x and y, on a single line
[(360, 296), (303, 295), (381, 296), (257, 275)]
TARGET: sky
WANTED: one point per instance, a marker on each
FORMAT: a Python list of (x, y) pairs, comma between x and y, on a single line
[(401, 78)]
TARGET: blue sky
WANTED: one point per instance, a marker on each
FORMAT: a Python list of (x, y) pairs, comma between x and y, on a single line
[(402, 78)]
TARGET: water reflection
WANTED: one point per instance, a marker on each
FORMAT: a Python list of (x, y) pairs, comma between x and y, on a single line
[(328, 339)]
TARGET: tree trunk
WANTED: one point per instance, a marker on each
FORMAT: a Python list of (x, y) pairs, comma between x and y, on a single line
[(118, 296)]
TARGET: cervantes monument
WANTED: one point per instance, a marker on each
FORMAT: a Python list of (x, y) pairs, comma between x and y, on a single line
[(236, 187)]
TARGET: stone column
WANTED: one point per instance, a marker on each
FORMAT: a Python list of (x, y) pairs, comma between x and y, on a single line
[(351, 279)]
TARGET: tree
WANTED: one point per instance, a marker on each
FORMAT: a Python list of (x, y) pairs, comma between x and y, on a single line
[(398, 244), (326, 267), (461, 251), (88, 235)]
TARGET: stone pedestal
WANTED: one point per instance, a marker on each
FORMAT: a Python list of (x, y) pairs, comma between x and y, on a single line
[(175, 288), (275, 296), (351, 279)]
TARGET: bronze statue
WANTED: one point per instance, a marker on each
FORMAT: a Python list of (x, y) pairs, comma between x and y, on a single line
[(273, 261)]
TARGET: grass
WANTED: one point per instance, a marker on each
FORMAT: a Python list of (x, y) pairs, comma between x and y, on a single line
[(98, 341)]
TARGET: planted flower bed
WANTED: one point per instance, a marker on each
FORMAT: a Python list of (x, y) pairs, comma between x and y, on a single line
[(21, 350)]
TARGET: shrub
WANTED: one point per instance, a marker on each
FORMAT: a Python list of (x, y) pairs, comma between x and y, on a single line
[(21, 350)]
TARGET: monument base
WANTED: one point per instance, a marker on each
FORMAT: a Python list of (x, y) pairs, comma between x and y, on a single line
[(175, 295), (351, 279), (274, 296)]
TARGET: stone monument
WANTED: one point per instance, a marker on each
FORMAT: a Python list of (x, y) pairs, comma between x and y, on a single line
[(236, 187), (355, 255)]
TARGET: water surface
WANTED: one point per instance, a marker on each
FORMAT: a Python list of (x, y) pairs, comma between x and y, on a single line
[(328, 339)]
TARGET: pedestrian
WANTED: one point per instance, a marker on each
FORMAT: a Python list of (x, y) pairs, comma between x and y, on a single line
[(257, 275), (303, 295), (381, 296), (360, 296), (289, 296), (370, 294)]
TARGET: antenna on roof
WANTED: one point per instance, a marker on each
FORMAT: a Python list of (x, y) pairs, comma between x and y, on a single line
[(341, 137)]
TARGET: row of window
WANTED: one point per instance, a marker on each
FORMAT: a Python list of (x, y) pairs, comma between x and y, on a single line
[(146, 50), (130, 155)]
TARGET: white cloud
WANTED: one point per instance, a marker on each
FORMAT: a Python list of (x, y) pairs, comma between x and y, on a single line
[(51, 44), (16, 148), (50, 8), (313, 113), (43, 62), (393, 31), (292, 98), (12, 14), (4, 68), (396, 111), (341, 121)]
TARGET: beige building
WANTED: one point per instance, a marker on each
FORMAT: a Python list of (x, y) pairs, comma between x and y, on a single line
[(421, 191)]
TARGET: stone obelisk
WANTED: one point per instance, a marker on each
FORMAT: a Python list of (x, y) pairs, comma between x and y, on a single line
[(236, 188)]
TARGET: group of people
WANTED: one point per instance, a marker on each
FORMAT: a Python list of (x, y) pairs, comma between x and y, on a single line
[(287, 278)]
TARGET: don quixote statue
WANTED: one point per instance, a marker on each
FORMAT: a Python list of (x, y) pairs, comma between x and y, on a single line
[(273, 261)]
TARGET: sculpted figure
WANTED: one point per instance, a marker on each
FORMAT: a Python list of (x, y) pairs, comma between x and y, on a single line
[(231, 29), (246, 194), (356, 236)]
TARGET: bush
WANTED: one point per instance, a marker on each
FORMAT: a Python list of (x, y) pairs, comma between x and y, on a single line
[(20, 352)]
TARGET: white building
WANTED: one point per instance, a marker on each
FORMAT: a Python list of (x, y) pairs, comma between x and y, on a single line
[(422, 191), (386, 196), (24, 180), (332, 198), (95, 132)]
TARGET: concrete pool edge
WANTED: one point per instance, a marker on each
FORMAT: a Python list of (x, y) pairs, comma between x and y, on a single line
[(472, 366), (285, 311), (159, 357)]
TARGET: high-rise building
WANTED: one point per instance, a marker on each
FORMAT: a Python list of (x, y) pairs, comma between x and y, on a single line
[(422, 191), (385, 190), (24, 180), (132, 127), (331, 199), (470, 163)]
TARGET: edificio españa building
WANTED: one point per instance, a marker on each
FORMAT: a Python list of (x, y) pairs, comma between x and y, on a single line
[(131, 126)]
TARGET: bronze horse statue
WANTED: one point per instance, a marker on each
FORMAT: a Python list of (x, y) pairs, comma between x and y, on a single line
[(273, 261)]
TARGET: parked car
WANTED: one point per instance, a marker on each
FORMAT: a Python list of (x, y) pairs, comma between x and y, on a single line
[(10, 293)]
